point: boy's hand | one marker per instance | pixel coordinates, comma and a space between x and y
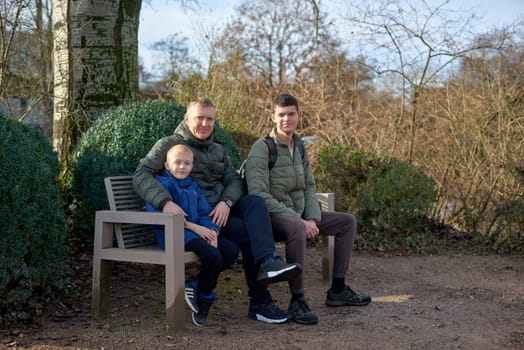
172, 208
214, 241
209, 235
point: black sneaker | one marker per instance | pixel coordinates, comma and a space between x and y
191, 293
300, 312
274, 269
347, 297
269, 313
200, 317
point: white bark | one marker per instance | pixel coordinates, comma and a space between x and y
99, 69
61, 71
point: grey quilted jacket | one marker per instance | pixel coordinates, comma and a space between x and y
212, 169
289, 187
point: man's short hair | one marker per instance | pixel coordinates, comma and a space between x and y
284, 100
203, 101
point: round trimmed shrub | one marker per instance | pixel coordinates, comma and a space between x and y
114, 145
392, 199
32, 243
397, 196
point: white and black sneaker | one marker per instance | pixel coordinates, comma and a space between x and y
274, 269
191, 293
204, 304
267, 312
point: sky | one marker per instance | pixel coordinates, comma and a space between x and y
160, 18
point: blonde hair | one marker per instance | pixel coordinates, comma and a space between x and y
203, 101
180, 148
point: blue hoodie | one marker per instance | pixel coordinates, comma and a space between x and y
187, 195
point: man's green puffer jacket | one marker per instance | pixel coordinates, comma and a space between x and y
212, 170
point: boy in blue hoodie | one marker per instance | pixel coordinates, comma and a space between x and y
201, 235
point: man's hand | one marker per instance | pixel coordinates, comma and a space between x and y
311, 228
220, 214
172, 208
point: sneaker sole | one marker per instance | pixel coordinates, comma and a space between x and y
259, 317
281, 275
345, 303
308, 323
196, 322
305, 322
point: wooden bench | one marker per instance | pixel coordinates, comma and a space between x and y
130, 226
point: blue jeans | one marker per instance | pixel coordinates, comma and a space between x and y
249, 226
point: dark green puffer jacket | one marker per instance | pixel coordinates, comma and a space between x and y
289, 187
212, 170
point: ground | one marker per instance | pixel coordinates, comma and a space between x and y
448, 301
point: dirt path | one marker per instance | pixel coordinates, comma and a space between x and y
430, 302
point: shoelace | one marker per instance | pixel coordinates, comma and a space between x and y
272, 306
304, 306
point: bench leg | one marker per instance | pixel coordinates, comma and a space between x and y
175, 304
328, 252
175, 274
100, 288
101, 269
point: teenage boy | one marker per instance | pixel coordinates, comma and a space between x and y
290, 194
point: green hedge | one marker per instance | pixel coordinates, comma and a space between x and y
391, 199
114, 145
32, 243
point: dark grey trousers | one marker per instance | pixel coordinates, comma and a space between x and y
342, 226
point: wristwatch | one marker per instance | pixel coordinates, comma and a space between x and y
229, 203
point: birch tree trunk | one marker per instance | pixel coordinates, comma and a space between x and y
95, 63
62, 75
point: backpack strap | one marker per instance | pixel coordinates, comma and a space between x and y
272, 150
301, 149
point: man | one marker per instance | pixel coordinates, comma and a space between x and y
290, 194
244, 219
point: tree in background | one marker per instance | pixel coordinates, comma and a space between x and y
174, 71
95, 64
276, 38
458, 124
479, 122
25, 65
334, 92
261, 51
174, 61
415, 42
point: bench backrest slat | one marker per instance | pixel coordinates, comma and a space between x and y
122, 197
326, 201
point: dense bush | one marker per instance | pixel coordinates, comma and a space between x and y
114, 144
32, 243
391, 199
506, 232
